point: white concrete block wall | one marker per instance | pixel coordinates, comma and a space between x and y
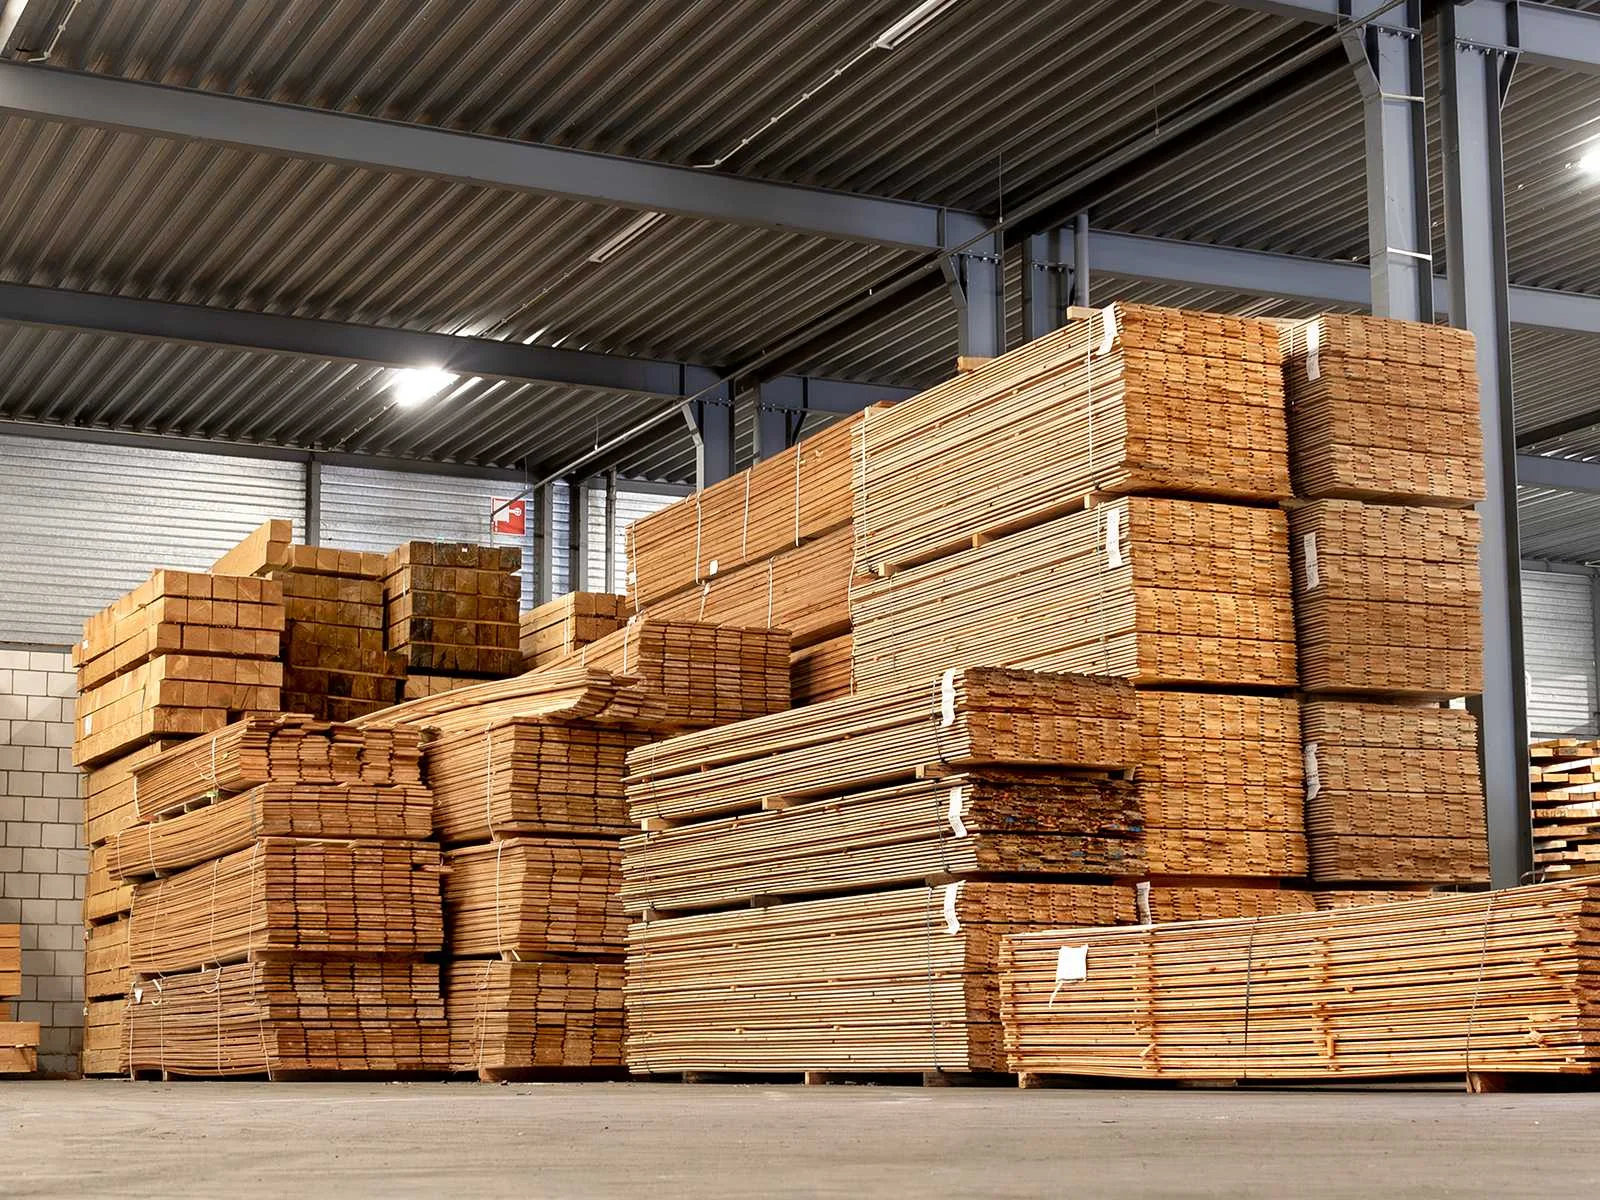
43, 862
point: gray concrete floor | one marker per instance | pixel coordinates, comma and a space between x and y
649, 1141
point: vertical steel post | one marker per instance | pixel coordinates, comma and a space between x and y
1080, 260
577, 534
711, 420
779, 404
1387, 55
313, 504
976, 278
544, 549
1475, 79
1045, 281
611, 531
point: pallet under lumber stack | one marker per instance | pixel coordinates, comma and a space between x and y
1383, 428
19, 1040
286, 905
452, 609
1565, 783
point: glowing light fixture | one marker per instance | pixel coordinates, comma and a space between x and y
908, 26
1589, 160
417, 385
625, 236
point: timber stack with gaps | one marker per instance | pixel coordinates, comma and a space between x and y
19, 1040
452, 613
527, 781
1565, 782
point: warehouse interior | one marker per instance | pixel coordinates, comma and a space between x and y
397, 271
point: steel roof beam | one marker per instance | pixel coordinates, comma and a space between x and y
1558, 474
322, 135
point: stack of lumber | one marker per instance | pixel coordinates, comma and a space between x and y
1387, 599
1210, 903
1220, 784
1383, 410
555, 629
1393, 794
418, 687
1156, 590
1469, 984
181, 654
271, 548
510, 1017
1128, 399
574, 693
1566, 806
452, 608
19, 1040
822, 672
1351, 897
522, 897
899, 980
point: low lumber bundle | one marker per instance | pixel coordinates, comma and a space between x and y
277, 748
507, 1017
1393, 794
1207, 903
106, 966
1220, 786
1352, 897
965, 717
335, 663
452, 607
821, 672
1154, 590
558, 627
19, 1047
271, 547
1387, 600
1566, 807
521, 897
526, 775
105, 896
10, 960
1383, 410
903, 980
1129, 399
782, 501
105, 1047
278, 1018
1468, 984
562, 693
981, 822
290, 896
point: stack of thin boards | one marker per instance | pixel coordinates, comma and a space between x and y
769, 547
893, 811
336, 666
452, 608
555, 629
1478, 985
1566, 807
286, 901
19, 1040
1384, 436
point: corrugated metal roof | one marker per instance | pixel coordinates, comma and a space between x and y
1561, 526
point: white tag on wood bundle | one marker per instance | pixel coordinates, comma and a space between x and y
1072, 966
1313, 780
947, 697
1114, 536
1109, 314
1141, 902
1313, 575
952, 893
711, 568
957, 796
1314, 351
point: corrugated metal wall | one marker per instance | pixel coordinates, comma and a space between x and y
1558, 638
82, 523
631, 505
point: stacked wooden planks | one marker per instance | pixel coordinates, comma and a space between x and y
1383, 410
1129, 399
511, 1018
271, 547
19, 1040
1393, 794
1220, 784
10, 960
1458, 985
822, 672
181, 654
1387, 599
452, 608
1566, 806
1156, 590
557, 628
1209, 902
523, 897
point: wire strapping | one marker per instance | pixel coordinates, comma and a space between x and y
1477, 987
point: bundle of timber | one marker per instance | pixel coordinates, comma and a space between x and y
562, 693
511, 1017
452, 608
1393, 794
983, 821
1383, 410
335, 664
1352, 897
105, 1046
106, 897
271, 548
277, 1018
557, 628
902, 980
10, 960
821, 672
980, 715
521, 897
1566, 806
1469, 984
1220, 784
781, 502
527, 775
1152, 589
1178, 902
107, 979
1124, 400
1387, 599
19, 1040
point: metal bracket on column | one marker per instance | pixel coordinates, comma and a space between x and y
1047, 271
976, 278
711, 419
1387, 55
1475, 74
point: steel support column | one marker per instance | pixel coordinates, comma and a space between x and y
1387, 55
976, 278
611, 531
711, 423
313, 507
577, 534
1474, 81
1046, 283
1080, 260
780, 412
544, 543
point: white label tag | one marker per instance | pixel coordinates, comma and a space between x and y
711, 567
1114, 537
1313, 576
947, 697
1314, 351
952, 893
1109, 315
1141, 901
88, 723
1072, 966
957, 796
1313, 779
138, 994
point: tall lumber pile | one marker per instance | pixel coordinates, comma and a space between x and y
452, 608
285, 902
1565, 783
895, 807
19, 1040
1384, 436
1486, 983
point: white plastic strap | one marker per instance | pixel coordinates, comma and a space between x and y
1114, 536
1308, 545
1108, 316
1072, 966
1314, 351
1313, 776
947, 697
952, 893
1141, 902
957, 798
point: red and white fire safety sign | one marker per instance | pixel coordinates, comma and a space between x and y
509, 516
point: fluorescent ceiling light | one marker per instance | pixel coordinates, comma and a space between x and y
908, 26
415, 385
629, 233
1589, 161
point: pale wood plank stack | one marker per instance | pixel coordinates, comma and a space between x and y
19, 1040
822, 672
541, 1016
1566, 807
1473, 984
452, 608
555, 629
